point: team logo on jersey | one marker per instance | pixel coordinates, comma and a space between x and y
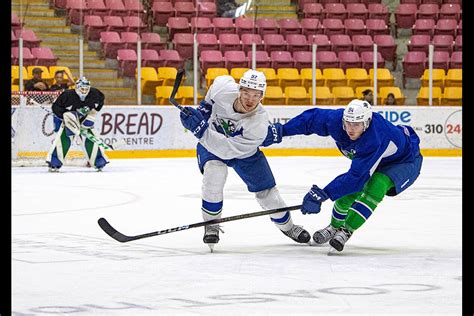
227, 127
349, 154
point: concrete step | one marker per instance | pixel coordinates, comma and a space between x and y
45, 22
51, 28
74, 53
88, 63
283, 7
123, 101
33, 13
275, 15
59, 46
58, 37
97, 74
116, 93
267, 2
17, 5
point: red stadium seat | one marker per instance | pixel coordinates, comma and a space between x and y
456, 60
326, 59
76, 10
376, 27
177, 25
97, 7
335, 10
419, 43
281, 59
311, 26
414, 63
110, 43
130, 39
28, 58
171, 58
211, 59
127, 62
443, 43
184, 44
134, 8
152, 40
379, 11
357, 11
405, 15
303, 59
206, 9
185, 9
94, 25
355, 27
321, 40
44, 56
223, 25
297, 42
427, 11
423, 27
235, 59
267, 26
30, 39
151, 58
116, 8
229, 42
274, 42
289, 26
450, 11
340, 42
368, 60
333, 26
262, 59
201, 25
387, 47
244, 25
446, 27
207, 41
248, 39
458, 43
363, 43
162, 11
349, 59
440, 60
114, 24
313, 10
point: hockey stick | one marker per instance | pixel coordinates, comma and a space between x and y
112, 232
177, 83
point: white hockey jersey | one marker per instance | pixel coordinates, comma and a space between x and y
231, 134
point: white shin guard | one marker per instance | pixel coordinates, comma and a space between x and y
271, 199
215, 176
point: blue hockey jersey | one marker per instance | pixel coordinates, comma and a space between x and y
381, 144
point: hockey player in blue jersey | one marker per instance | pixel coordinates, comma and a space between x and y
386, 160
230, 124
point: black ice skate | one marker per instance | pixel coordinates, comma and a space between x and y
298, 234
340, 238
211, 235
322, 236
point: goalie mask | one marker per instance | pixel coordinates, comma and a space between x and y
83, 87
358, 111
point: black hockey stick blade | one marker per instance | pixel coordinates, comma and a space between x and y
177, 83
112, 232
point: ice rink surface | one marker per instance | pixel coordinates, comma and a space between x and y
405, 260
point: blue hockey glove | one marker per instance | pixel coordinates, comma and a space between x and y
194, 122
313, 199
205, 109
274, 134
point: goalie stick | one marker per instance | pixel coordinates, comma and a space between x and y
112, 232
177, 83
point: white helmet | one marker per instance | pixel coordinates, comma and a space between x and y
358, 111
254, 80
83, 87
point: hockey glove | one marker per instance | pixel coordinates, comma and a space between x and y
194, 122
274, 134
205, 109
313, 199
89, 120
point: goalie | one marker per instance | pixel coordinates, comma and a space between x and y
74, 115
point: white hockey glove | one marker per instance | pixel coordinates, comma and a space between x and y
71, 122
89, 120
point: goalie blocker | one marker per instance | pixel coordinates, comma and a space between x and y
75, 112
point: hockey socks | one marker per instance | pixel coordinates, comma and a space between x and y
340, 209
211, 210
364, 205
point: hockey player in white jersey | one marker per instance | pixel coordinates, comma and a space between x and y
231, 124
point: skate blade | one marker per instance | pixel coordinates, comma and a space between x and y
211, 247
332, 251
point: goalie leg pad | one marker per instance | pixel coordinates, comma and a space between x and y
59, 148
89, 120
94, 153
71, 121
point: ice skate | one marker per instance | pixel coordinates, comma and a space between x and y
340, 238
322, 236
211, 235
298, 234
53, 169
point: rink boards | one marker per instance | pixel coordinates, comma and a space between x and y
156, 131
